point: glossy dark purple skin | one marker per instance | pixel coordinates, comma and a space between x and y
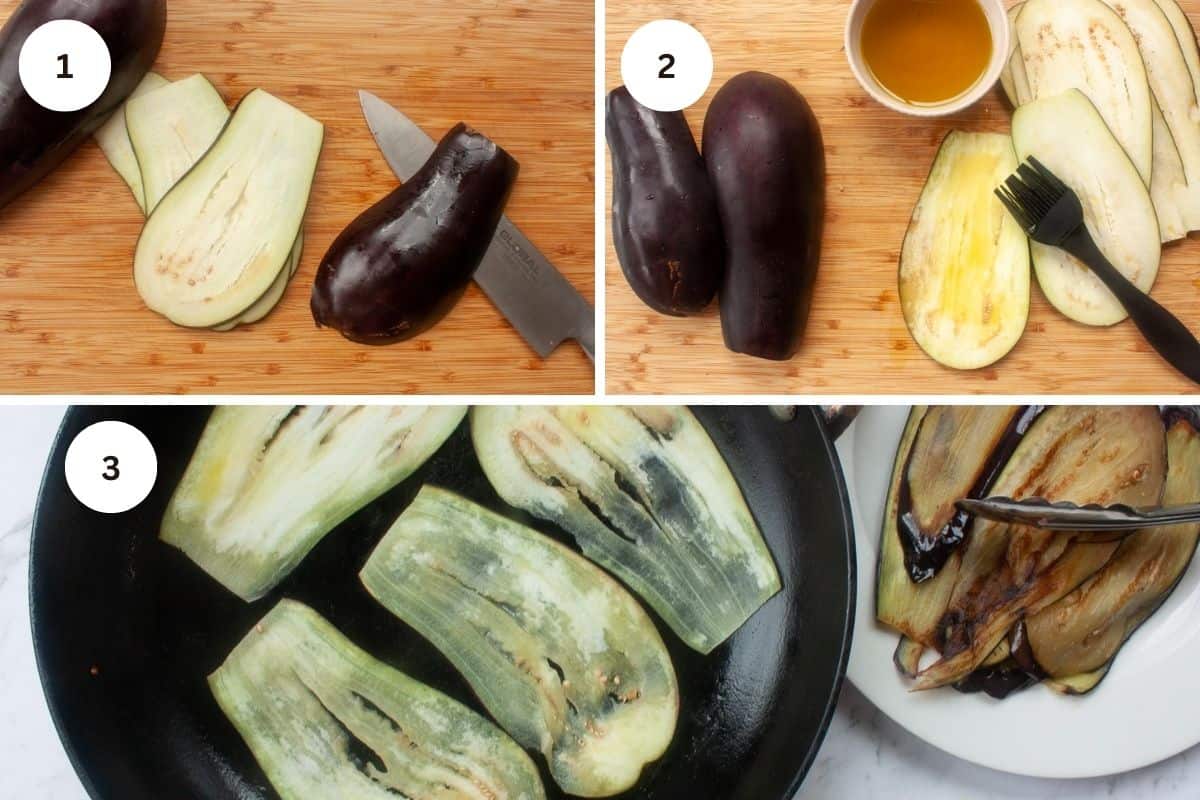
666, 227
766, 161
399, 268
35, 140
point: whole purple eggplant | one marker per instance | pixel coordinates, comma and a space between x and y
666, 227
35, 140
766, 160
405, 262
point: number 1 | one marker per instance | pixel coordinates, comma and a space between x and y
66, 69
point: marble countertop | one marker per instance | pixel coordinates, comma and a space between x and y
866, 755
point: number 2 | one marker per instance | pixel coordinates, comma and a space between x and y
670, 63
66, 69
114, 471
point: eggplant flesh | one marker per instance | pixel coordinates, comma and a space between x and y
113, 139
666, 227
33, 139
646, 495
402, 265
1083, 632
221, 236
563, 657
265, 484
765, 156
1102, 455
958, 452
323, 718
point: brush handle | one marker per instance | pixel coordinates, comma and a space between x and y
1165, 333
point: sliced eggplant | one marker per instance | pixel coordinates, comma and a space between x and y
399, 268
325, 719
1085, 45
646, 495
563, 657
170, 129
1084, 455
266, 304
1066, 133
113, 139
959, 452
1168, 183
265, 484
964, 267
220, 238
1083, 632
1013, 78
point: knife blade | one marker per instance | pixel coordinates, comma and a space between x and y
1063, 516
536, 299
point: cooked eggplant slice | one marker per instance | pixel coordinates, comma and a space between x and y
907, 657
959, 452
1065, 133
113, 139
325, 719
267, 483
964, 266
646, 495
563, 657
1084, 455
219, 239
1083, 632
170, 129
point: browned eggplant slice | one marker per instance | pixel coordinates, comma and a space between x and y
1082, 633
1081, 454
959, 452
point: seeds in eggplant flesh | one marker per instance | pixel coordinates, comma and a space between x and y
563, 657
265, 484
219, 239
113, 139
646, 495
1083, 632
325, 719
1008, 572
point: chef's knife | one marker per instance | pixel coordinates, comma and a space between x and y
1062, 516
539, 302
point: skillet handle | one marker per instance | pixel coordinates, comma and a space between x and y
837, 418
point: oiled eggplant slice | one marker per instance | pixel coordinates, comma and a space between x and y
220, 237
914, 609
113, 139
646, 495
1084, 455
563, 657
959, 452
325, 719
964, 267
267, 483
1083, 632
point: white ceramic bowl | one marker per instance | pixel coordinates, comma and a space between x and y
997, 17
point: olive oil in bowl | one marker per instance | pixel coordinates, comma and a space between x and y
927, 52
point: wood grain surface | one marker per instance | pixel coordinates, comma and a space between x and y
521, 71
857, 342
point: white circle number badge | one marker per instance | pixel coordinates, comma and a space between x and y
111, 467
667, 65
65, 65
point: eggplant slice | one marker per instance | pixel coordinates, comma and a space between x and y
113, 139
1084, 455
563, 657
646, 495
325, 719
964, 266
267, 483
220, 238
1082, 633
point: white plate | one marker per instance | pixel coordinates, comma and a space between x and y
1143, 712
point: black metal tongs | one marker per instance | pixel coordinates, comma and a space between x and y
1040, 513
1050, 212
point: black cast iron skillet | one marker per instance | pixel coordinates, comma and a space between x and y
126, 628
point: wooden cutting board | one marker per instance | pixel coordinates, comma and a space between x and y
857, 342
521, 71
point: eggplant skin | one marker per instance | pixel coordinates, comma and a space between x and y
666, 227
33, 139
766, 159
399, 268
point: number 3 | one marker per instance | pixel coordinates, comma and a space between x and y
670, 62
113, 472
